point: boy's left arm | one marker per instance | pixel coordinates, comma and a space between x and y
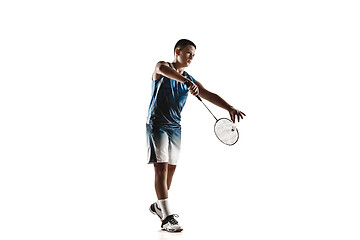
217, 100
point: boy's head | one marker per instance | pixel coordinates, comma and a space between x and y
184, 51
183, 43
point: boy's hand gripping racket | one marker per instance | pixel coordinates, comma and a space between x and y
225, 130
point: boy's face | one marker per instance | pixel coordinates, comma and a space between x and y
185, 55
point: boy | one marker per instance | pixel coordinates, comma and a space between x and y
170, 88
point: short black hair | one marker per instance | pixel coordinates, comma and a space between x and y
183, 43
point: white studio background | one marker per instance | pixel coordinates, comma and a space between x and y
74, 92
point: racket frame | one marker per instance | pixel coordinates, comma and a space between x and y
237, 132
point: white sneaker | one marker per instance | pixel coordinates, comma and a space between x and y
154, 209
170, 224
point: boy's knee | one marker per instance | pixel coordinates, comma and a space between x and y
161, 169
171, 168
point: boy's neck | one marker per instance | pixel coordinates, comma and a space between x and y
180, 69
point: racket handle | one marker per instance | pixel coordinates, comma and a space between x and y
188, 85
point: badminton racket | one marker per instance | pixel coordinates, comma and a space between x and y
225, 130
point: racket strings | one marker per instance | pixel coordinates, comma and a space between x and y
225, 131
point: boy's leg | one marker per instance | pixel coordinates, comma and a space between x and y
164, 173
161, 186
170, 174
174, 152
163, 177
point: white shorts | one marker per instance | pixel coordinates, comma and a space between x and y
163, 144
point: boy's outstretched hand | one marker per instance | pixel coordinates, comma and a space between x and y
235, 113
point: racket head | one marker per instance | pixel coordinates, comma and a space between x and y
226, 132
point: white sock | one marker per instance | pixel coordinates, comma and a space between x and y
165, 208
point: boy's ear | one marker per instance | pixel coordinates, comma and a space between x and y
177, 51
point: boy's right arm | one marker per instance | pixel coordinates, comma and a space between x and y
162, 69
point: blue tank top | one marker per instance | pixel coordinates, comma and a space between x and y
167, 101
